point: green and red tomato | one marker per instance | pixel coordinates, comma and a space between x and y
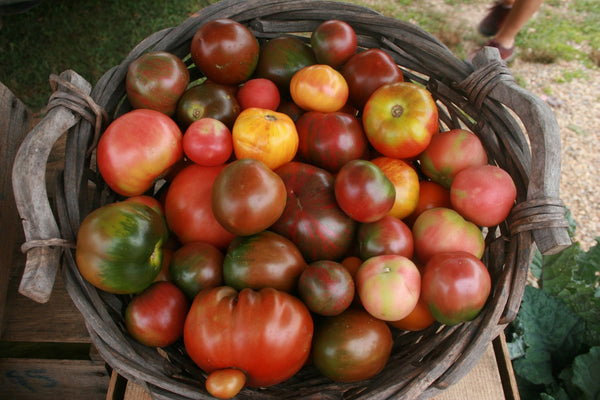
326, 287
333, 42
196, 266
387, 235
207, 100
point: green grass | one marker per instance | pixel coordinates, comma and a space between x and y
92, 36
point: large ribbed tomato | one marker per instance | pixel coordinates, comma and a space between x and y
265, 135
267, 334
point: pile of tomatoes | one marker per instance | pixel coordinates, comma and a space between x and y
298, 200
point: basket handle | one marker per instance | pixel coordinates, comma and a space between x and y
43, 243
542, 213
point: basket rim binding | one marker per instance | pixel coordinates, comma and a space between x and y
441, 355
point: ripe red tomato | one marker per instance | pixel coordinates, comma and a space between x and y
156, 80
326, 287
196, 266
311, 218
456, 286
330, 140
368, 70
319, 87
351, 346
208, 100
267, 333
259, 93
247, 197
188, 207
406, 184
265, 135
136, 148
399, 119
208, 142
431, 195
483, 194
388, 235
225, 51
363, 191
156, 316
389, 286
450, 152
265, 259
333, 42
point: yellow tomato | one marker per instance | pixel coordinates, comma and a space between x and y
406, 182
265, 135
319, 87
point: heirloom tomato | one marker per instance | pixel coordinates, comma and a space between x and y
483, 194
363, 191
456, 286
389, 286
311, 218
225, 51
155, 317
196, 266
319, 87
326, 287
333, 42
156, 80
265, 259
247, 197
418, 319
267, 333
280, 58
388, 235
351, 346
136, 148
440, 230
368, 70
399, 119
259, 93
119, 247
406, 184
449, 152
208, 142
431, 195
265, 135
188, 207
207, 100
330, 140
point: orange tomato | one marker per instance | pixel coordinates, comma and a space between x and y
265, 135
419, 318
319, 87
406, 182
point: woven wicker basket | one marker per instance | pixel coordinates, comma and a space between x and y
518, 130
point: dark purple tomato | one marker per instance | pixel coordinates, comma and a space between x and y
196, 266
330, 140
351, 346
333, 42
225, 51
207, 100
326, 287
311, 218
388, 235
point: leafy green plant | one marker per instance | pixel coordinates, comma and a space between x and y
554, 342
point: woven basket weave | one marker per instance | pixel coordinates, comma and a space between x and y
517, 129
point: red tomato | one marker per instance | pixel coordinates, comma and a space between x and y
196, 266
208, 100
418, 319
483, 194
265, 135
208, 142
326, 287
259, 93
399, 119
363, 191
156, 81
155, 317
137, 148
319, 88
406, 184
333, 42
267, 333
368, 70
431, 195
351, 346
247, 197
388, 235
389, 286
456, 286
188, 207
225, 51
330, 140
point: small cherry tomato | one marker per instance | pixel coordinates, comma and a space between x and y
319, 87
225, 383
